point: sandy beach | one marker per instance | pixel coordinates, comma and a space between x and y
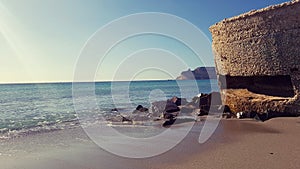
235, 144
73, 71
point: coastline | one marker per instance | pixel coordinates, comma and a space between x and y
235, 144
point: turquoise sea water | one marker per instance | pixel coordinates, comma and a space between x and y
39, 107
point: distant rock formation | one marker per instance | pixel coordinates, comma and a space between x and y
198, 74
257, 58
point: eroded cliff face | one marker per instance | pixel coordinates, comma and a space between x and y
257, 56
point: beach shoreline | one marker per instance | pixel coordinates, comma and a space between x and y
235, 144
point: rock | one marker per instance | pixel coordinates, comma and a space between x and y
168, 123
157, 108
181, 101
207, 103
255, 72
227, 115
242, 100
170, 115
125, 119
116, 118
198, 74
227, 112
171, 106
141, 108
171, 109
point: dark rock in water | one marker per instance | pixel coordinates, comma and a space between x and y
114, 110
162, 108
204, 110
181, 101
157, 108
171, 107
204, 100
203, 103
213, 98
140, 108
168, 123
172, 115
207, 103
124, 119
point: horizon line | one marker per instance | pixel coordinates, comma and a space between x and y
49, 82
102, 81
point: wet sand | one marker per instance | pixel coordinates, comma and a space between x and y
236, 143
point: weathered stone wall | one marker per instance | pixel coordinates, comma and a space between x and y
260, 43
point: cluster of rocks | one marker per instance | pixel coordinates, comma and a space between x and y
202, 104
139, 114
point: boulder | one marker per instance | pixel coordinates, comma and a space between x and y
157, 108
141, 108
207, 103
181, 101
171, 107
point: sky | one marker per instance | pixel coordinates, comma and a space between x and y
47, 40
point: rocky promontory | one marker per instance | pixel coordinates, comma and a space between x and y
198, 74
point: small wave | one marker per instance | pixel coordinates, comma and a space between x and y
6, 133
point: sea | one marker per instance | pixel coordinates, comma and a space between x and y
44, 107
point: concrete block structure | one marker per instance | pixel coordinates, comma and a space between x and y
257, 56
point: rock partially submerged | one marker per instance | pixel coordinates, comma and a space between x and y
140, 109
139, 114
202, 104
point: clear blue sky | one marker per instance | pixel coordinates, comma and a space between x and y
40, 40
